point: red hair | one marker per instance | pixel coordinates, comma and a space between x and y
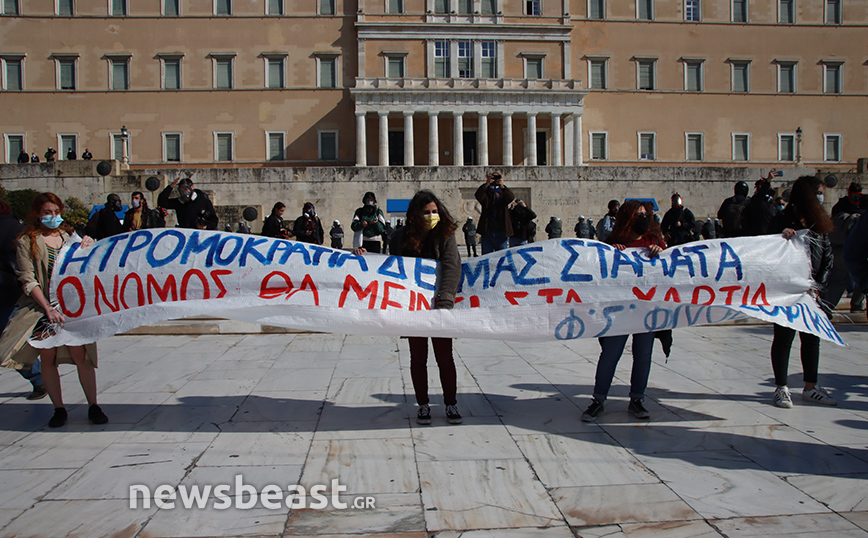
34, 224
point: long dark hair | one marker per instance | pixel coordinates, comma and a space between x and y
622, 232
34, 226
805, 205
415, 224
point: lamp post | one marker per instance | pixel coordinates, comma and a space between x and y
125, 138
798, 145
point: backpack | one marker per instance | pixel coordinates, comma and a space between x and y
732, 217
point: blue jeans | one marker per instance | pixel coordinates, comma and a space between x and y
612, 348
516, 242
494, 241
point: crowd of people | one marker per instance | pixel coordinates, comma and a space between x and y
50, 154
837, 245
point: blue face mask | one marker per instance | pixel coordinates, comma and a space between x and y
52, 221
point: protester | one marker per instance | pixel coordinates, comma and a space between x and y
761, 208
49, 154
843, 222
273, 226
678, 223
369, 224
633, 229
23, 157
731, 210
387, 236
469, 230
430, 234
708, 230
86, 155
140, 217
554, 228
850, 203
856, 253
337, 235
607, 223
520, 215
804, 212
193, 208
38, 247
531, 231
495, 224
105, 222
307, 227
584, 228
70, 154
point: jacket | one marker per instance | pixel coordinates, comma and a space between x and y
856, 253
151, 218
300, 231
493, 218
199, 206
104, 223
520, 216
445, 251
819, 246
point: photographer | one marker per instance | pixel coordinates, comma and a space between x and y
192, 206
495, 224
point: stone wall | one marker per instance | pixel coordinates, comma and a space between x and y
565, 192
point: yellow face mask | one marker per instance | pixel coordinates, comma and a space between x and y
431, 221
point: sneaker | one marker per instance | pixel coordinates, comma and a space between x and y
424, 415
95, 414
59, 418
638, 410
452, 415
818, 395
782, 398
38, 393
593, 411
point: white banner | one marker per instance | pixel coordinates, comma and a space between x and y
556, 289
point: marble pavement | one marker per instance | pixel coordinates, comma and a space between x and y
716, 459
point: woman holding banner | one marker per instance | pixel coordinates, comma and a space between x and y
38, 246
430, 233
633, 229
805, 211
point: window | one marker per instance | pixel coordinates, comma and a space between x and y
786, 77
66, 73
275, 72
694, 149
596, 9
172, 147
833, 11
832, 77
646, 75
647, 146
532, 7
740, 76
118, 147
739, 10
597, 74
328, 71
396, 6
465, 59
786, 147
326, 7
68, 142
119, 73
831, 148
441, 59
276, 146
14, 147
489, 7
599, 146
645, 10
10, 7
692, 10
328, 145
533, 67
489, 60
171, 73
223, 79
13, 79
171, 8
693, 75
441, 6
395, 66
465, 6
740, 147
223, 146
787, 11
65, 8
274, 7
118, 8
223, 7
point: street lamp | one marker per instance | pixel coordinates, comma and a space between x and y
798, 145
125, 138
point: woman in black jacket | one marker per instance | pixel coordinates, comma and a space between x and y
805, 211
274, 225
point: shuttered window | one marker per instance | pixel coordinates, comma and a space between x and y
598, 75
224, 146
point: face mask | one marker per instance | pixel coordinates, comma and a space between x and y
640, 225
52, 221
136, 203
821, 198
310, 213
431, 221
370, 203
185, 195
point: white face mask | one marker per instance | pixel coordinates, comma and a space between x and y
136, 203
821, 197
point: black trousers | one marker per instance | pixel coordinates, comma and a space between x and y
810, 351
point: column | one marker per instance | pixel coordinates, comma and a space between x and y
531, 140
482, 140
361, 140
507, 139
458, 139
384, 138
409, 149
577, 140
556, 140
568, 140
433, 140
